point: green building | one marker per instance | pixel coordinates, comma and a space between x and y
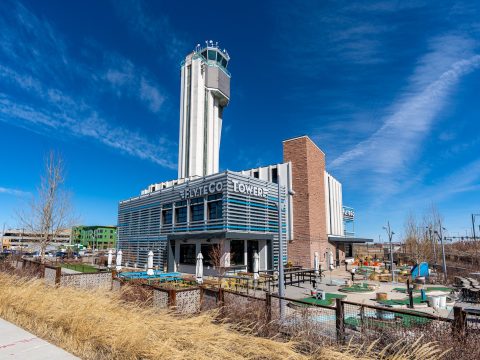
95, 237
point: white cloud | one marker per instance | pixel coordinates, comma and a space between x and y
49, 91
385, 156
14, 192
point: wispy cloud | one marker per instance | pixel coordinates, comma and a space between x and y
46, 90
14, 192
389, 152
156, 31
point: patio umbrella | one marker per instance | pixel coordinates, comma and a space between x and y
315, 263
256, 267
150, 264
330, 263
110, 258
119, 260
199, 269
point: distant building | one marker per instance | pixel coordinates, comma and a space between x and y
95, 237
20, 239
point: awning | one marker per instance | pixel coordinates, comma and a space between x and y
230, 235
348, 240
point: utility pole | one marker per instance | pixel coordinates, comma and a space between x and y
440, 235
390, 234
434, 244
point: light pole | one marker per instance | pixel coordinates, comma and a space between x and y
440, 236
434, 244
281, 279
390, 234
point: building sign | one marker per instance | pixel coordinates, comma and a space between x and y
249, 189
202, 190
348, 213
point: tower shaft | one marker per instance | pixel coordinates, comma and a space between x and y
205, 92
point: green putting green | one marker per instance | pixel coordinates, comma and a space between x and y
433, 288
357, 288
329, 299
416, 300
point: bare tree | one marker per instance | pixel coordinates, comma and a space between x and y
50, 211
220, 259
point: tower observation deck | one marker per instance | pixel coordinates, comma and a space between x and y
205, 92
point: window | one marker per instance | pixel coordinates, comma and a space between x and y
197, 209
255, 174
275, 175
208, 254
181, 215
212, 55
214, 197
167, 217
204, 54
215, 210
224, 62
237, 252
187, 254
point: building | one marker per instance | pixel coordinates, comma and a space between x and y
94, 237
237, 213
29, 241
234, 211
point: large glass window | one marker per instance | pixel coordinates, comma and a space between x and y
212, 55
224, 62
237, 252
215, 210
187, 254
210, 254
167, 216
197, 209
180, 212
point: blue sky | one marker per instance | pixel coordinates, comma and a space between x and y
389, 90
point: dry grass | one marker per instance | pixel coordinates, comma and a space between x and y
99, 325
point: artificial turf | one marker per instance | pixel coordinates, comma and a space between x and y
416, 300
329, 299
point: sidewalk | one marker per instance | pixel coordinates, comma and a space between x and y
16, 343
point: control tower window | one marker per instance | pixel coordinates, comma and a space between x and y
212, 55
224, 62
204, 54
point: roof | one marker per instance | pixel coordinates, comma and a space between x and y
346, 239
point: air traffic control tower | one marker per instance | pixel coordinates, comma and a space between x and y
205, 92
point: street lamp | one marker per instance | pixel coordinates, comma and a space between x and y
390, 234
281, 279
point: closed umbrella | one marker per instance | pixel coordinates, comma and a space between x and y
199, 269
119, 260
110, 258
316, 263
256, 267
150, 264
330, 263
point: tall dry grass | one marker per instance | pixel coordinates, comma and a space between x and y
99, 325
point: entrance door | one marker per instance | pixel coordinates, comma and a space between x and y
252, 247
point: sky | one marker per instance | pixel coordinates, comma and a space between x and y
389, 90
